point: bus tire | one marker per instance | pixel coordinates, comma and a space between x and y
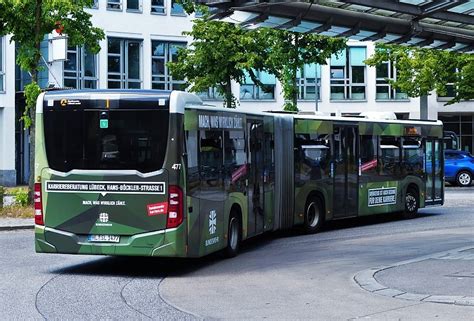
234, 235
412, 203
464, 179
313, 215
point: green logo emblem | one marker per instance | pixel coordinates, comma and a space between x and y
104, 123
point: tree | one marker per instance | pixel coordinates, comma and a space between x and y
287, 52
219, 54
206, 64
222, 52
420, 71
28, 22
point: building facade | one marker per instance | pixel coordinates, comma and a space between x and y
143, 35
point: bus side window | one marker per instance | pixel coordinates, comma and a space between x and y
389, 156
192, 161
235, 167
412, 160
312, 157
368, 155
210, 156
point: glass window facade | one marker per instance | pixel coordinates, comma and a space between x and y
177, 8
309, 82
250, 91
158, 6
462, 125
114, 4
124, 63
384, 91
22, 78
210, 94
348, 74
80, 68
134, 5
163, 52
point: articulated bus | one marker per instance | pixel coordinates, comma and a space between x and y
154, 173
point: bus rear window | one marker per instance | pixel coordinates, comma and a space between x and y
106, 139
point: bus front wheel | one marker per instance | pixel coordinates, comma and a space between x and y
313, 215
233, 236
411, 203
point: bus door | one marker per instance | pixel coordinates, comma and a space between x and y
345, 171
434, 171
255, 161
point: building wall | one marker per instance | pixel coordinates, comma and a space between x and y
7, 115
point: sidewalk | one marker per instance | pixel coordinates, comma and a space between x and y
16, 223
446, 277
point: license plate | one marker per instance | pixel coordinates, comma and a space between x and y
104, 238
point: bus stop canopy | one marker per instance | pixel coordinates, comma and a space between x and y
437, 24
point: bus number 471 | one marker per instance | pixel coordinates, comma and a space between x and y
176, 167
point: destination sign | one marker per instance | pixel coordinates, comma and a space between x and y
382, 196
105, 187
221, 122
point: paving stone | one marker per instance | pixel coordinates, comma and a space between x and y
389, 292
412, 296
375, 286
365, 277
451, 299
465, 301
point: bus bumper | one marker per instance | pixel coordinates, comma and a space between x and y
164, 243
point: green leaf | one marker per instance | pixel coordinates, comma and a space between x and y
420, 71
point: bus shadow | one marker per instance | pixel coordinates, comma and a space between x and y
371, 220
153, 267
355, 222
156, 267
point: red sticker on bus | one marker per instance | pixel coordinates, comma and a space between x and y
157, 208
239, 172
369, 165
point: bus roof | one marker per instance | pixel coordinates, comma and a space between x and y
317, 117
87, 94
194, 102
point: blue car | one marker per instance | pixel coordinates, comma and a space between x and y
458, 167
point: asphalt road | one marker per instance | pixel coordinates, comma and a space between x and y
277, 276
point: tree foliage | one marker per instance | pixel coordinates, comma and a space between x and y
420, 71
222, 52
287, 52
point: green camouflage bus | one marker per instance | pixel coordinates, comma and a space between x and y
154, 173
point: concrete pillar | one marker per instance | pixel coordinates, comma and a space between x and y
424, 107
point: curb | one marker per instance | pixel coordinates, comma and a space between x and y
16, 227
367, 281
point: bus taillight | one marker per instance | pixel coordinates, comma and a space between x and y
38, 205
175, 207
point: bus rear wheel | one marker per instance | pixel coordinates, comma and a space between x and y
313, 215
234, 236
411, 203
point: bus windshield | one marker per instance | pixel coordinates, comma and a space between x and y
106, 139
